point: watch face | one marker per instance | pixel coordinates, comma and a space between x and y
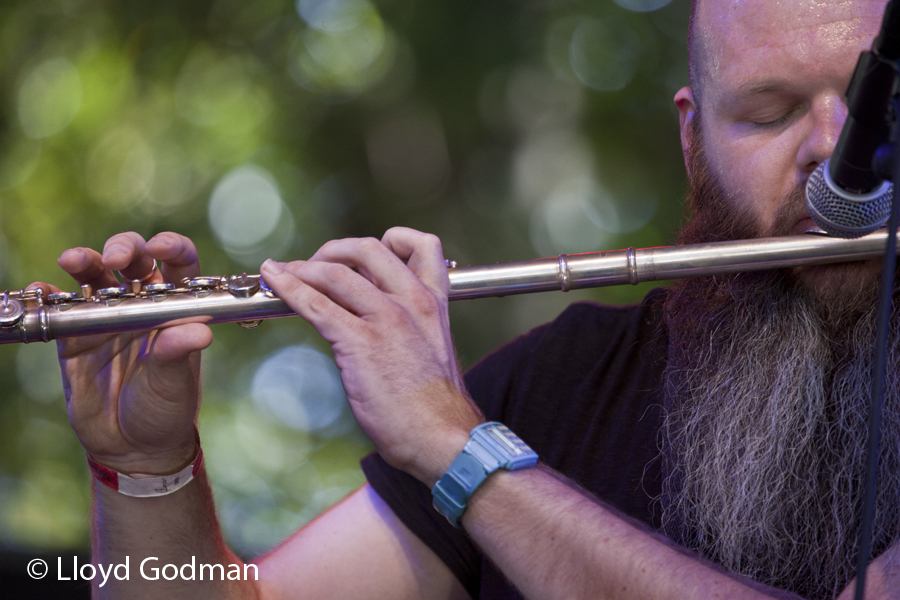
507, 439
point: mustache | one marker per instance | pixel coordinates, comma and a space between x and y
791, 209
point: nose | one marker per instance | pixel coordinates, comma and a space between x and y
826, 119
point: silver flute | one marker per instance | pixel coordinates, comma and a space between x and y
29, 316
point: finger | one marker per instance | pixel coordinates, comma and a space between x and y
85, 265
333, 322
373, 260
423, 255
174, 344
124, 252
341, 284
48, 288
177, 254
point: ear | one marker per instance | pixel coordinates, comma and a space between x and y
684, 101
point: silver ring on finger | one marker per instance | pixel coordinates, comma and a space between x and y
143, 279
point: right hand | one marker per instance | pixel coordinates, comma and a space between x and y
132, 398
383, 308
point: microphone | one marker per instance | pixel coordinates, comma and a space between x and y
842, 213
845, 196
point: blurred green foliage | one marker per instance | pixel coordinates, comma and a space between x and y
512, 129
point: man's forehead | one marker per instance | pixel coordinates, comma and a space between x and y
764, 16
742, 28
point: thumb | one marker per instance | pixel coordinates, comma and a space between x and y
173, 344
171, 349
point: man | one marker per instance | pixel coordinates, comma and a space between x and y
762, 379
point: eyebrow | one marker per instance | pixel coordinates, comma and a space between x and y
754, 88
736, 97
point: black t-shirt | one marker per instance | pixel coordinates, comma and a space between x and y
585, 393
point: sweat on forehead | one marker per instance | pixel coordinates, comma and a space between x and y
719, 28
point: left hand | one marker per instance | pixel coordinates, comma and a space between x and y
132, 398
389, 329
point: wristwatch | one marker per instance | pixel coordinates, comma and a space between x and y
491, 446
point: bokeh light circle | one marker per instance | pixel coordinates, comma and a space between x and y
568, 223
643, 5
604, 56
49, 98
221, 91
334, 16
346, 49
300, 387
245, 207
547, 159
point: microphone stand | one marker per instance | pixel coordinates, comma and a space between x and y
886, 164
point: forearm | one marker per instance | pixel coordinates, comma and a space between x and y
882, 578
553, 541
179, 528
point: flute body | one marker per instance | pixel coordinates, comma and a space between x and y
28, 316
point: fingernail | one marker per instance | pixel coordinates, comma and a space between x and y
112, 251
73, 254
271, 267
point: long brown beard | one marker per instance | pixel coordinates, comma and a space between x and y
767, 394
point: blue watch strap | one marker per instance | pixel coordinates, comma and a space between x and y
452, 492
491, 446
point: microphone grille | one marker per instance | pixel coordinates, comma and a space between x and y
844, 214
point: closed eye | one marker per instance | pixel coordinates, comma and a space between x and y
775, 123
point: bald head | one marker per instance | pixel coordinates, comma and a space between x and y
718, 26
